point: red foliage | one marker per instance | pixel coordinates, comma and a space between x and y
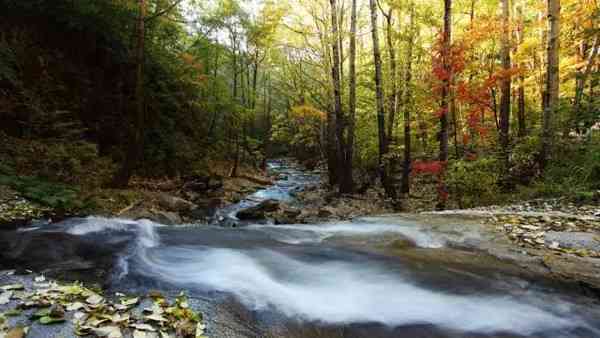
428, 167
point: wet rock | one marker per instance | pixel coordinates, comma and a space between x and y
157, 216
259, 211
166, 217
206, 208
287, 215
60, 255
175, 204
573, 240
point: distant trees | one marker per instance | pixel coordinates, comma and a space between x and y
552, 78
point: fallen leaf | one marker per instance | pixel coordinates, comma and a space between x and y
94, 299
156, 317
75, 306
47, 320
5, 297
108, 331
130, 301
17, 332
143, 327
13, 287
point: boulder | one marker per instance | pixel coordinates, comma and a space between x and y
573, 240
175, 204
157, 216
287, 215
259, 211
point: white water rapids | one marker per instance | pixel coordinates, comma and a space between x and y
295, 275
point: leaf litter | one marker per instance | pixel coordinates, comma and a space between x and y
95, 315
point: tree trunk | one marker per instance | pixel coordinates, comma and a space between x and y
582, 77
393, 97
443, 155
552, 79
407, 105
443, 136
337, 93
387, 185
347, 185
136, 146
522, 130
506, 83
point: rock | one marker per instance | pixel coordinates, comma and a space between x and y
61, 255
175, 204
404, 243
287, 215
326, 212
206, 208
574, 240
259, 211
157, 216
166, 218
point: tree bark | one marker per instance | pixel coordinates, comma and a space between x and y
407, 105
582, 77
393, 97
387, 185
506, 83
337, 92
347, 186
552, 79
447, 41
522, 128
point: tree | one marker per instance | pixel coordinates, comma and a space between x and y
347, 185
337, 88
552, 79
135, 146
407, 103
505, 83
383, 146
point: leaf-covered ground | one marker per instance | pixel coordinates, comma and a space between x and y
38, 306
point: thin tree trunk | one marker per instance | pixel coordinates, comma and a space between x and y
552, 81
347, 185
393, 98
506, 83
522, 128
407, 105
389, 189
443, 136
337, 94
136, 146
582, 78
443, 155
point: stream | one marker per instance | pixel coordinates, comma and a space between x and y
263, 280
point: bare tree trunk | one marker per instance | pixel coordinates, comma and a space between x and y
407, 105
443, 136
552, 81
347, 186
393, 97
337, 92
388, 186
443, 155
136, 146
506, 83
522, 130
582, 77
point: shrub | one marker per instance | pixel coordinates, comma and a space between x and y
473, 183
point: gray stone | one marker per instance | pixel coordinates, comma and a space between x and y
175, 204
574, 240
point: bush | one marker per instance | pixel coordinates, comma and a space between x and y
473, 183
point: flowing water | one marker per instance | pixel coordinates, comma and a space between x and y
300, 276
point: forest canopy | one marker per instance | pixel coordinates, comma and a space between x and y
476, 100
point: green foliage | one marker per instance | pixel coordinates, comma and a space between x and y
46, 193
474, 183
